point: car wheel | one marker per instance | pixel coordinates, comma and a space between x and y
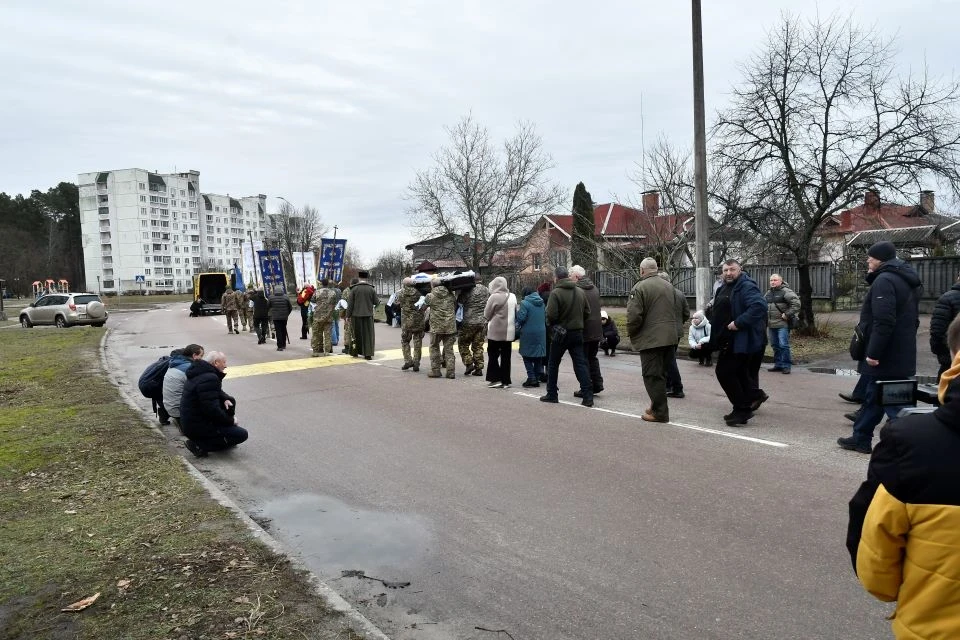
61, 322
25, 322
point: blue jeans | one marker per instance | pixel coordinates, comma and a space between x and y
335, 331
780, 342
871, 413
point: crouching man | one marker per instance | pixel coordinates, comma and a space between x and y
206, 412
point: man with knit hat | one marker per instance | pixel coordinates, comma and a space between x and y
889, 320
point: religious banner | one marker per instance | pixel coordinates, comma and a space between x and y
331, 258
249, 255
271, 270
304, 268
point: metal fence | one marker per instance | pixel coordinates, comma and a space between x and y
612, 284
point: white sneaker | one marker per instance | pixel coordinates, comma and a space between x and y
504, 386
494, 385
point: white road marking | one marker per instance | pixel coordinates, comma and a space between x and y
717, 432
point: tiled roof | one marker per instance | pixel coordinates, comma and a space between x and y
885, 216
904, 236
612, 220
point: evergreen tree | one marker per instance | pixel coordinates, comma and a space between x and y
583, 246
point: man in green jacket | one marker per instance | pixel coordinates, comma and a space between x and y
363, 300
567, 313
652, 327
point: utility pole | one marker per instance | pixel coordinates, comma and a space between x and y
701, 218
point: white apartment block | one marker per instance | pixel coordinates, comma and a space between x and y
161, 227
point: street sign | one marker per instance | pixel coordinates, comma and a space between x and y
140, 278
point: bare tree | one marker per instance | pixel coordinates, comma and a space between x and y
393, 264
494, 196
295, 230
822, 114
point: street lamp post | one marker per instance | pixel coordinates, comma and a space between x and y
702, 221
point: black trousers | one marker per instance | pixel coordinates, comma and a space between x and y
280, 327
674, 383
593, 364
498, 361
160, 410
304, 325
262, 326
222, 438
573, 343
739, 377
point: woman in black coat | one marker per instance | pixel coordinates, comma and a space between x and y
206, 412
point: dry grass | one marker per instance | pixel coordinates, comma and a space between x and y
91, 501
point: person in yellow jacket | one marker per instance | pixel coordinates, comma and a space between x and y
904, 532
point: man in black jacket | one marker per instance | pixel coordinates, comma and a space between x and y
280, 308
261, 315
889, 319
206, 412
592, 327
948, 306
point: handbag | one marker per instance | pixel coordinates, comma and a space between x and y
858, 344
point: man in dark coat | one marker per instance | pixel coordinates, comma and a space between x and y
889, 320
261, 315
682, 309
652, 328
568, 309
363, 300
948, 306
206, 412
280, 308
592, 328
739, 336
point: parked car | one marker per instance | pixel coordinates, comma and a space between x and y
65, 309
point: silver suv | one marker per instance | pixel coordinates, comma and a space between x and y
65, 309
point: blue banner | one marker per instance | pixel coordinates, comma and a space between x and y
271, 269
331, 258
238, 279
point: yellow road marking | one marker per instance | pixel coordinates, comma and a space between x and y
286, 366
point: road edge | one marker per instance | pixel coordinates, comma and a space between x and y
332, 599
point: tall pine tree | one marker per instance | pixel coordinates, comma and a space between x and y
583, 246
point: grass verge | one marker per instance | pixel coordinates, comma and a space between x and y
92, 501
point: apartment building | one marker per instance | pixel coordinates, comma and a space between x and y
160, 228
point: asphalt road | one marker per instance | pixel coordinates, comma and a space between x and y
547, 521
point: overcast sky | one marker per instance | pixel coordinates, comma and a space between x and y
339, 104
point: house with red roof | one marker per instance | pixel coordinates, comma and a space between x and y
917, 230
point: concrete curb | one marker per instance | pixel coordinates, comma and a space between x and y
331, 598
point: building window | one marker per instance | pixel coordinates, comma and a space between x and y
536, 261
146, 272
143, 211
141, 186
183, 193
143, 198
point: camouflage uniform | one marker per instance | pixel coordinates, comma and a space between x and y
473, 330
347, 329
443, 329
243, 310
228, 304
411, 326
325, 300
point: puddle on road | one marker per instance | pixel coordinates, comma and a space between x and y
331, 536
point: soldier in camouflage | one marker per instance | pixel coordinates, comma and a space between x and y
243, 309
443, 329
228, 304
412, 322
325, 301
347, 328
473, 329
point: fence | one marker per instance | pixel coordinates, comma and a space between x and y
618, 285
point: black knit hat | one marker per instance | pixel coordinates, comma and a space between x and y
882, 251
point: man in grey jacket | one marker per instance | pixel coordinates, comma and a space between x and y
176, 376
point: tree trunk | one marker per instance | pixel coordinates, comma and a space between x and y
805, 291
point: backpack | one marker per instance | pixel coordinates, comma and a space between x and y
151, 380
